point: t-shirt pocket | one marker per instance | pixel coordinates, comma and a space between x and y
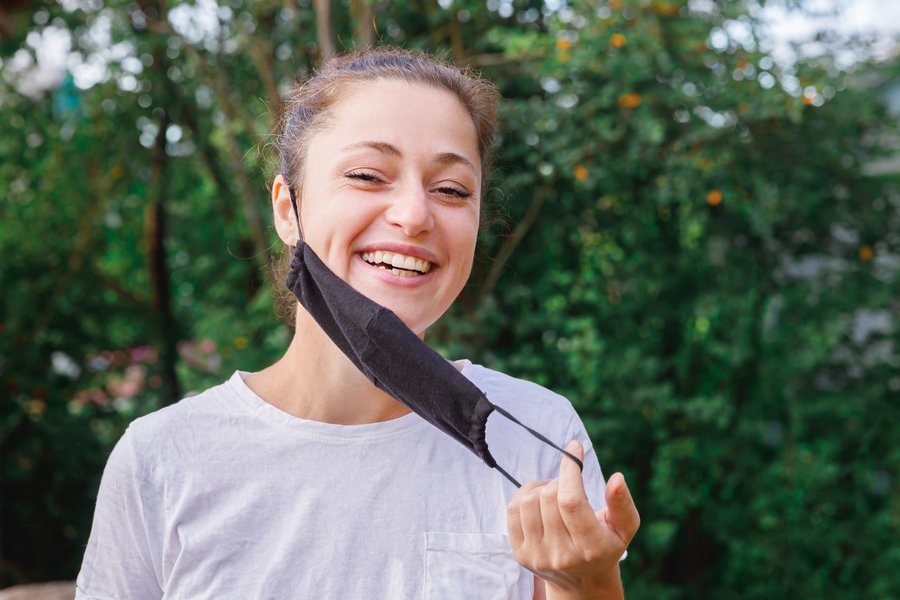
473, 565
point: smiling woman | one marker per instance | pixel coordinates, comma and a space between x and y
421, 97
396, 170
308, 478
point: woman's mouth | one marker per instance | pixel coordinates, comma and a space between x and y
396, 263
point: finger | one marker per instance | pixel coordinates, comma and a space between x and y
527, 488
513, 515
555, 530
571, 483
621, 514
530, 516
574, 508
514, 526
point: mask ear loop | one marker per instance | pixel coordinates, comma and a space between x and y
296, 212
539, 436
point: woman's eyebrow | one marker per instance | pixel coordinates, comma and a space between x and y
444, 158
450, 158
382, 147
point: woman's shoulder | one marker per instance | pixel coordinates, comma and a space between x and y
182, 432
525, 397
210, 404
165, 447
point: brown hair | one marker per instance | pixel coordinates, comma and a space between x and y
306, 112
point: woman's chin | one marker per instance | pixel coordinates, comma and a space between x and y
416, 323
408, 310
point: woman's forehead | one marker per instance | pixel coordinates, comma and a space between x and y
395, 115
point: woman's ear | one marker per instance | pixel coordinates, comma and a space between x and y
283, 212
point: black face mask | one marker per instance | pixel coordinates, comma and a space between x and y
393, 358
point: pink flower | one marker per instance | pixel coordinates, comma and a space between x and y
140, 353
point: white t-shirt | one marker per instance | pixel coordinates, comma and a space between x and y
224, 496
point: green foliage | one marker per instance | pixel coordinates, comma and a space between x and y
692, 252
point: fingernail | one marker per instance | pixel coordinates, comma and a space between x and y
573, 446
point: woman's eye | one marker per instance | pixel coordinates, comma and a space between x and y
452, 191
367, 177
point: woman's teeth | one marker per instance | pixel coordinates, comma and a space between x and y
398, 264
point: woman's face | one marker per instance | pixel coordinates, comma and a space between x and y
390, 196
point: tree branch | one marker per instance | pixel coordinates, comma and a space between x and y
239, 172
261, 54
510, 244
246, 193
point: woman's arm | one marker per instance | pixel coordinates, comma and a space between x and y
555, 533
615, 589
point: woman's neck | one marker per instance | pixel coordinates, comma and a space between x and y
315, 381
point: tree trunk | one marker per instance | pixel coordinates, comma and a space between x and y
159, 272
364, 32
323, 29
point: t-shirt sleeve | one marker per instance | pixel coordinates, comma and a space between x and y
118, 562
594, 482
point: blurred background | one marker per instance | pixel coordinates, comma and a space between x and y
697, 241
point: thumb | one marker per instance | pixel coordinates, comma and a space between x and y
621, 513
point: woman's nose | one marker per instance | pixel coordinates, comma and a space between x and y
410, 209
